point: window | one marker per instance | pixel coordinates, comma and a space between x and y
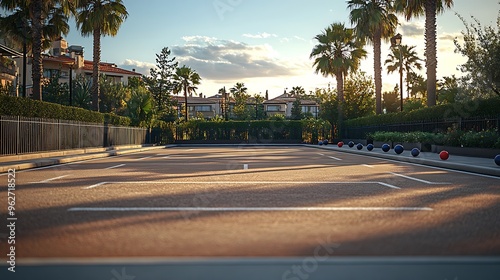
50, 73
203, 108
273, 108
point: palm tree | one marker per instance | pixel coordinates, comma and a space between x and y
374, 21
238, 90
338, 53
403, 58
298, 91
186, 80
99, 18
48, 18
429, 8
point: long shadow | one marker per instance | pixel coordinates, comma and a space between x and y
460, 229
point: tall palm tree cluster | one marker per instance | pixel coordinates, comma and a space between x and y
38, 22
340, 49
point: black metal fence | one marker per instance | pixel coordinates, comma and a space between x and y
471, 124
21, 135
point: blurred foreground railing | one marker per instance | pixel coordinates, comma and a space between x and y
21, 135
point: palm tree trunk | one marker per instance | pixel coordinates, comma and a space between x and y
378, 71
430, 50
37, 66
340, 93
185, 103
95, 70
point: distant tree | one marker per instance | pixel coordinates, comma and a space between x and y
56, 92
224, 103
391, 101
113, 96
403, 59
259, 106
338, 52
417, 87
140, 107
328, 105
359, 93
412, 104
296, 113
481, 46
161, 83
298, 91
448, 90
36, 23
186, 81
429, 8
82, 92
374, 21
99, 18
238, 89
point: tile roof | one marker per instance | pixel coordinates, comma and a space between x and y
109, 68
195, 100
60, 59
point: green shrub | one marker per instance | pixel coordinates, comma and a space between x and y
482, 139
25, 107
476, 108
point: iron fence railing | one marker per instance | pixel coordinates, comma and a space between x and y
21, 135
470, 124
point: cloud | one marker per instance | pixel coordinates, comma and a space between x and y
139, 66
259, 35
450, 36
413, 29
217, 59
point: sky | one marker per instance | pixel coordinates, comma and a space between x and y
263, 43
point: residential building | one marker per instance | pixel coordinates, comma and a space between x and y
65, 61
283, 104
209, 107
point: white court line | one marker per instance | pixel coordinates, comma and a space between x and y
418, 180
165, 157
369, 166
116, 166
389, 185
95, 185
143, 158
51, 179
242, 209
321, 154
239, 183
427, 166
335, 158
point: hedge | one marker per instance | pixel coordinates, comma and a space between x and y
25, 107
477, 108
240, 130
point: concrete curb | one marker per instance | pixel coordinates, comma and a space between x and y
492, 171
43, 162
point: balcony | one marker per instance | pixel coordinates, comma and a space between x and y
8, 69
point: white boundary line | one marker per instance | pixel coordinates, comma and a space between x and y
143, 158
421, 165
367, 165
239, 183
95, 185
116, 166
241, 209
418, 180
51, 179
335, 158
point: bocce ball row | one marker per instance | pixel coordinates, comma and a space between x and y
398, 149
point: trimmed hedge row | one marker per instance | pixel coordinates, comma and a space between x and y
25, 107
240, 130
476, 108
